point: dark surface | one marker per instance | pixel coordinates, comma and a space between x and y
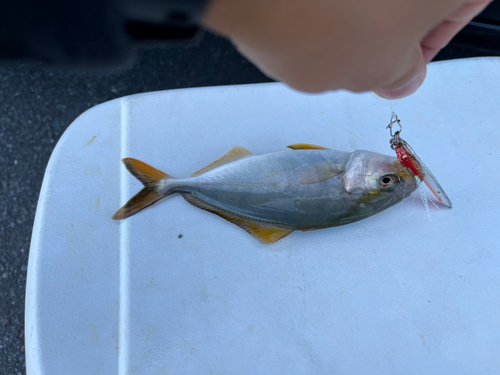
92, 32
37, 104
63, 31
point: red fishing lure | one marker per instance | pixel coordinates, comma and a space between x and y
409, 159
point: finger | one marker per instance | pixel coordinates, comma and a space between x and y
442, 34
410, 81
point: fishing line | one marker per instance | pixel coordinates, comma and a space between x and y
404, 193
423, 196
432, 201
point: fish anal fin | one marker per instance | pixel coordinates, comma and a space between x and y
143, 172
146, 197
306, 146
319, 172
264, 232
234, 154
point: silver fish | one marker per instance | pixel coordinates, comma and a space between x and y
274, 194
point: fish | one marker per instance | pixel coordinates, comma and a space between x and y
306, 187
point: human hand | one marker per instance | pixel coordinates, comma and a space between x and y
356, 45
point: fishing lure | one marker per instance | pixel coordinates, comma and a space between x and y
409, 159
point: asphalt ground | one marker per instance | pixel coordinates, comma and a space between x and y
37, 104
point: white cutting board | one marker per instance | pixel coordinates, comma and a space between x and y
397, 293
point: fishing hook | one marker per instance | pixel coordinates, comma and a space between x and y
395, 140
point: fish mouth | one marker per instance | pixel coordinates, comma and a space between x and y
400, 170
404, 173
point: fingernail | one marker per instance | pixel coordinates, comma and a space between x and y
405, 90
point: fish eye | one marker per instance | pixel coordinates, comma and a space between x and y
387, 181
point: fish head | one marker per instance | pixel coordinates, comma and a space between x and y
380, 180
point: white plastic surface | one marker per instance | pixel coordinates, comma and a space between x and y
397, 293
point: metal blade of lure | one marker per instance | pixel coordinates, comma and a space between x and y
409, 159
424, 173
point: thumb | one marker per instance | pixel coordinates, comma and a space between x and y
411, 79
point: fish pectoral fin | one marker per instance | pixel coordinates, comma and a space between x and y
264, 232
233, 155
146, 197
319, 172
305, 146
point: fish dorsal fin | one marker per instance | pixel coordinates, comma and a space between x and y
320, 172
267, 233
305, 146
233, 155
143, 172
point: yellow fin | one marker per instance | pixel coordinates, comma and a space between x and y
266, 233
149, 177
233, 155
145, 173
146, 197
305, 146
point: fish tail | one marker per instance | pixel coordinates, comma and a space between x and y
150, 178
